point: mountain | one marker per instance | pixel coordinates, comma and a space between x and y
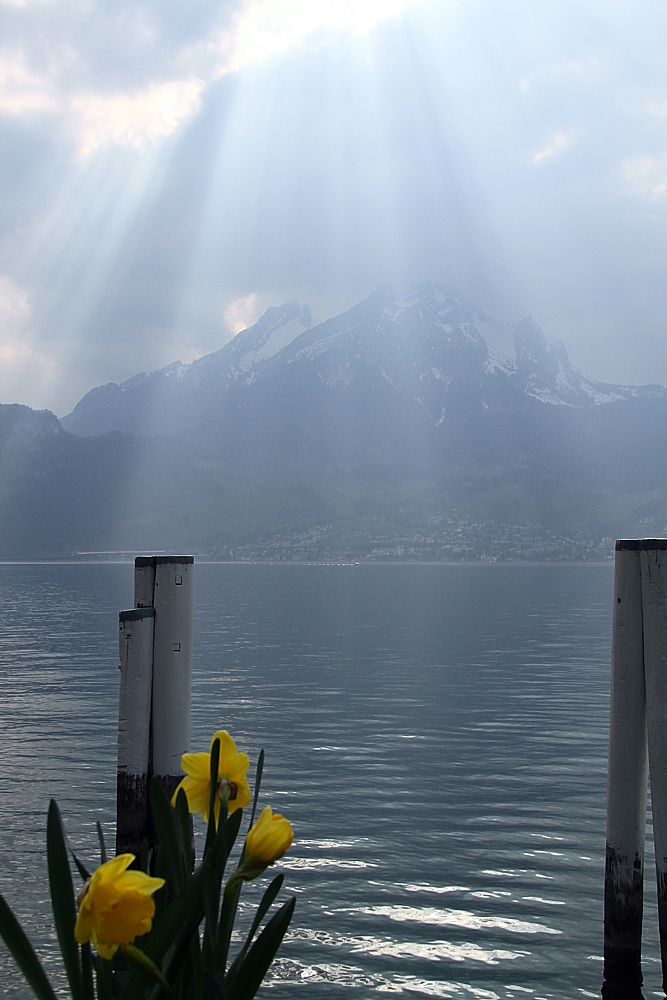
58, 492
165, 400
426, 346
408, 413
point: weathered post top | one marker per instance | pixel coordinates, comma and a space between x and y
640, 544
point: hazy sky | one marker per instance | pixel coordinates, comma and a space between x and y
169, 169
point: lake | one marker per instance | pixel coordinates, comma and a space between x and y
436, 733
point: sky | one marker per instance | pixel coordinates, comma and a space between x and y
170, 169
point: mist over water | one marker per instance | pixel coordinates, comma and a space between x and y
436, 734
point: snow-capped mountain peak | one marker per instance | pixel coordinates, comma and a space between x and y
410, 346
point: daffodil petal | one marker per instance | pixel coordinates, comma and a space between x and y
197, 765
198, 793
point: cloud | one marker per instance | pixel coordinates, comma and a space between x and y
61, 79
647, 175
24, 365
556, 145
243, 312
135, 120
266, 28
22, 91
582, 69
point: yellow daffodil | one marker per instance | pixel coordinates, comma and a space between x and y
115, 906
268, 839
232, 768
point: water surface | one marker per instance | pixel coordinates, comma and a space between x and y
437, 735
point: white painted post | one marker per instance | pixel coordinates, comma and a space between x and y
172, 665
654, 593
627, 777
156, 668
135, 645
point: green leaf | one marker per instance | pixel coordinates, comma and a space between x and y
215, 767
161, 897
178, 923
263, 908
87, 972
120, 972
165, 824
211, 905
230, 902
196, 969
80, 867
145, 857
224, 842
62, 898
215, 984
104, 978
258, 782
256, 963
187, 943
143, 964
184, 829
103, 848
24, 954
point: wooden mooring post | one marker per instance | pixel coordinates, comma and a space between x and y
155, 645
637, 745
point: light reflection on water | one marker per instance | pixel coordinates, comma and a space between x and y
437, 734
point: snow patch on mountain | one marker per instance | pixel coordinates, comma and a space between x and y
405, 300
276, 339
499, 339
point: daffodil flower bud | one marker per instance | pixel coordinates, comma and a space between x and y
266, 841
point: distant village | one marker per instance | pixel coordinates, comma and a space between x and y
448, 539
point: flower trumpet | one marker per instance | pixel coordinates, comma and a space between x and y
115, 906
